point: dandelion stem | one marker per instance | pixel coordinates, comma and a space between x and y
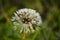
24, 38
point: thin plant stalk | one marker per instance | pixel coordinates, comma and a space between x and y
24, 35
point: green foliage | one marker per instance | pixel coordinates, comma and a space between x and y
50, 28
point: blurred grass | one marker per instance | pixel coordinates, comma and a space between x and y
49, 11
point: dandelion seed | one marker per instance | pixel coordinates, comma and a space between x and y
28, 18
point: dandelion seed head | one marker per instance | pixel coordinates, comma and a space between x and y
28, 18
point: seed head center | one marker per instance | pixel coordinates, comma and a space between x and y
26, 20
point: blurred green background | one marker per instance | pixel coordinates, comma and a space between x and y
49, 11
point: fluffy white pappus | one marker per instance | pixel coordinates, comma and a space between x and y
29, 18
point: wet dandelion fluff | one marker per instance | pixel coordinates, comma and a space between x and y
28, 18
